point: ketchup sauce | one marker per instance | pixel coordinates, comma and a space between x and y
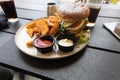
42, 43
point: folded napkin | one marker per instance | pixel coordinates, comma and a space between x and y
111, 27
3, 21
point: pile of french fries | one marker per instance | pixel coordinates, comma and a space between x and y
43, 26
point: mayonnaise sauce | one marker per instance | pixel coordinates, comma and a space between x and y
65, 42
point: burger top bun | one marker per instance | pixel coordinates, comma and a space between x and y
73, 11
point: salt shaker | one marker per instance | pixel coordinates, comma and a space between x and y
51, 8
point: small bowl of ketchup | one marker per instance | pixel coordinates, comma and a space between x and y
44, 43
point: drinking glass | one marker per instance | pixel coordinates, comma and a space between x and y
9, 9
51, 8
94, 6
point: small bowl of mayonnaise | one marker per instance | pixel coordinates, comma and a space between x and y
66, 42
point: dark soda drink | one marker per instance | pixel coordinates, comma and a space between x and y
8, 7
93, 14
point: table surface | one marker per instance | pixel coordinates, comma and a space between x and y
99, 60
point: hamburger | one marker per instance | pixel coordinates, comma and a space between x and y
73, 16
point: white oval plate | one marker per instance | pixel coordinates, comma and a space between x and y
21, 38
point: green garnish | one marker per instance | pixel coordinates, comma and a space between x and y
83, 37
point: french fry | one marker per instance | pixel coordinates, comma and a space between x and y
30, 32
29, 43
36, 29
30, 25
43, 26
54, 28
53, 19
